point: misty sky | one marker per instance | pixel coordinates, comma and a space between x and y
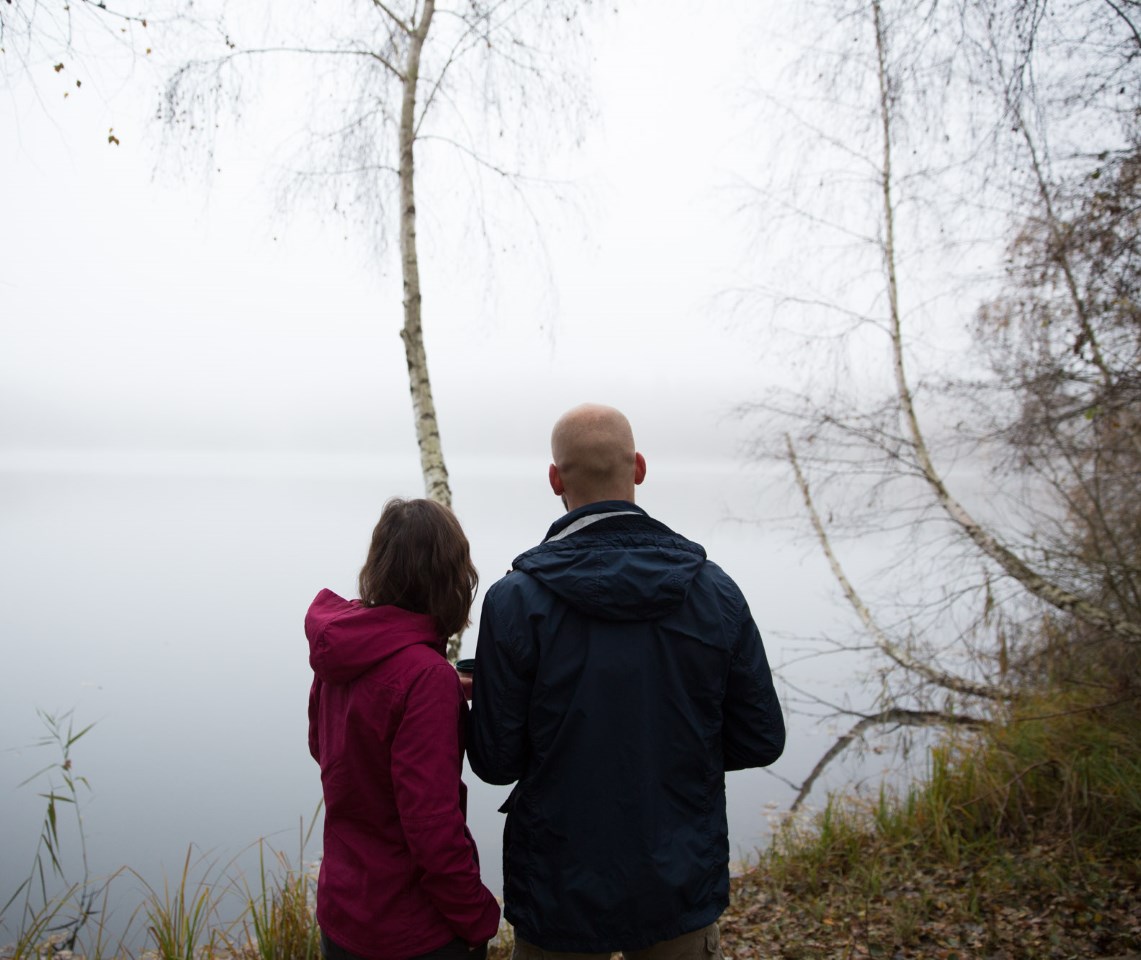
147, 310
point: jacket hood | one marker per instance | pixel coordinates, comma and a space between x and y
347, 639
612, 561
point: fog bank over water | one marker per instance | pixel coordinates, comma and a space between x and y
166, 606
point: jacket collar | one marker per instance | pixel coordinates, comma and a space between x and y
584, 516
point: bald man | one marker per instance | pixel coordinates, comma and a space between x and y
619, 675
594, 457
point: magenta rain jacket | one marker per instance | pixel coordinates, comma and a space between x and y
400, 872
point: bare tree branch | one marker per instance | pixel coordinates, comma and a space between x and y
894, 716
1125, 18
961, 685
388, 12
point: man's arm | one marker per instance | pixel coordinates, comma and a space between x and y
753, 733
501, 694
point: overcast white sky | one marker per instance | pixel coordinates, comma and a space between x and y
150, 312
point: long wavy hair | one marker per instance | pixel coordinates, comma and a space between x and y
420, 560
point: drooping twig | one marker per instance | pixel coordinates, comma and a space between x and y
895, 716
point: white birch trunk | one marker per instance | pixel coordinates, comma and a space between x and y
436, 485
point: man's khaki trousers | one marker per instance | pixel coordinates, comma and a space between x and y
703, 944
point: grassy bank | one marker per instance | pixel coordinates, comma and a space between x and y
60, 911
273, 915
1023, 844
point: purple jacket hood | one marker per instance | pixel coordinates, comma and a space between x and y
347, 638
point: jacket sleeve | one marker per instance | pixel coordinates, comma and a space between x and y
753, 733
426, 762
501, 693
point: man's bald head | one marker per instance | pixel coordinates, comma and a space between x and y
594, 457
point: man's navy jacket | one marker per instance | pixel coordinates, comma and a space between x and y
619, 674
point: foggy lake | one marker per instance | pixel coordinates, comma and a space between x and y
162, 597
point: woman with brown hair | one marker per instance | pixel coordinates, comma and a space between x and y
400, 873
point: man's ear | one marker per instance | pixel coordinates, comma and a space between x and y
555, 480
639, 468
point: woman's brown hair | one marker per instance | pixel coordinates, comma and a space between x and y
419, 560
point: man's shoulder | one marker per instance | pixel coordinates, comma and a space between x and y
714, 571
513, 583
713, 578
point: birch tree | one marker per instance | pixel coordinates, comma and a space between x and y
960, 121
387, 84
